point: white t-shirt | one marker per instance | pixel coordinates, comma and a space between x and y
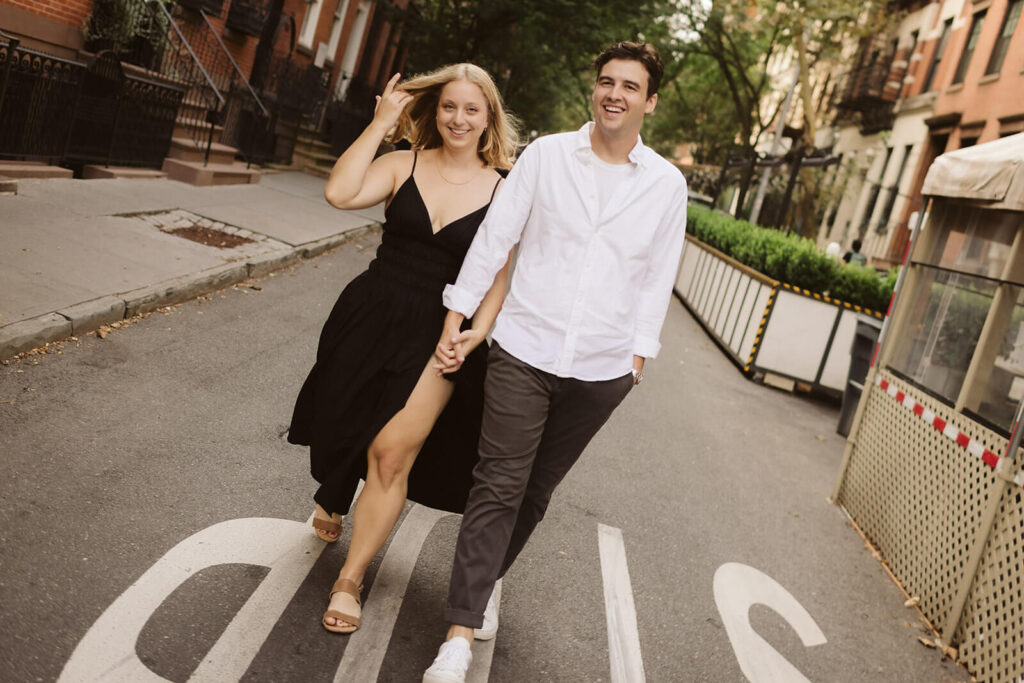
608, 177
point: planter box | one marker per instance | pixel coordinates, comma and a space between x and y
773, 331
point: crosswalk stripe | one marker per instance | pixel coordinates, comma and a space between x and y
367, 646
624, 655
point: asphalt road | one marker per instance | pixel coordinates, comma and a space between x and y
152, 524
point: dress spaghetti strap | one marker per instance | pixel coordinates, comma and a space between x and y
493, 192
415, 156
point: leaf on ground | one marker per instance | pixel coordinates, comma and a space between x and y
949, 651
102, 333
912, 602
926, 642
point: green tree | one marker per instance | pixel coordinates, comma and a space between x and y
539, 52
731, 35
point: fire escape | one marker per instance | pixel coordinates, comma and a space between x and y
868, 92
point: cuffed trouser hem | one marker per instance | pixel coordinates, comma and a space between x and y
461, 617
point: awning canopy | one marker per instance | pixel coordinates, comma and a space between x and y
991, 174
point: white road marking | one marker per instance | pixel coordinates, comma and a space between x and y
737, 587
365, 651
627, 665
287, 547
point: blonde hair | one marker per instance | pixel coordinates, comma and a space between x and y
418, 122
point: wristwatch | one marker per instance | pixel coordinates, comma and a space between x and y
638, 376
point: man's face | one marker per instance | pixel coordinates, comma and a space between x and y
620, 97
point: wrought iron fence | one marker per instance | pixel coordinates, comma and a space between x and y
346, 119
36, 93
295, 96
64, 112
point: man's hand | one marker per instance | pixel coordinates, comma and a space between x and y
638, 369
450, 352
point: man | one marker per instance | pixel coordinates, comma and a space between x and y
854, 255
599, 219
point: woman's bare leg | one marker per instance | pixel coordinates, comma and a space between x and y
389, 460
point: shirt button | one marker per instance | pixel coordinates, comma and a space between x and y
579, 298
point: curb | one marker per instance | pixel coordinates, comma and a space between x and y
88, 316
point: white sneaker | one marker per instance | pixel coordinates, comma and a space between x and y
451, 663
490, 626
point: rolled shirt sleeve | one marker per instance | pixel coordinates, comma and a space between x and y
659, 280
499, 232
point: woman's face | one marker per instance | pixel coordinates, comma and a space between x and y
461, 114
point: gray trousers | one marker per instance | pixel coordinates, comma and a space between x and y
535, 426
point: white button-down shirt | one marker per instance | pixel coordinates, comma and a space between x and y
591, 287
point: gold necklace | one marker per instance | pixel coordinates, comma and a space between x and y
438, 167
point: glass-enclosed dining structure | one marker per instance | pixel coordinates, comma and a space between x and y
927, 475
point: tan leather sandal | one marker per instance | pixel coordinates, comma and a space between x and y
328, 526
344, 586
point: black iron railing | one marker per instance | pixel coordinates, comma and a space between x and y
246, 16
65, 112
243, 115
346, 119
204, 104
295, 96
865, 87
209, 6
37, 91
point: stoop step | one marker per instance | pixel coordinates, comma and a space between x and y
32, 169
93, 172
195, 173
185, 149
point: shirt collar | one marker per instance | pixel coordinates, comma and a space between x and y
583, 148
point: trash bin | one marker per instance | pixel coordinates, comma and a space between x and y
861, 350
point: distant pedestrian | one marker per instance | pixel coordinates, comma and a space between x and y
854, 255
600, 221
371, 402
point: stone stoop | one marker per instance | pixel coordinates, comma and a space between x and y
93, 171
185, 163
196, 173
32, 169
312, 155
8, 185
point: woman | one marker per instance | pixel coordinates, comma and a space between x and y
376, 400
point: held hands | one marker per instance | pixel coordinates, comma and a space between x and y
390, 104
454, 345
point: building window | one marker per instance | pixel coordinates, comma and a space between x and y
968, 141
972, 43
940, 47
995, 62
336, 26
875, 189
309, 22
894, 192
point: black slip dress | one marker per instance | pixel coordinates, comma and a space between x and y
378, 338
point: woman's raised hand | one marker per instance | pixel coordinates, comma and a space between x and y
391, 103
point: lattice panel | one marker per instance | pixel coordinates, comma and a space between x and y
991, 631
918, 495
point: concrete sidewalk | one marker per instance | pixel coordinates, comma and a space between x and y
78, 254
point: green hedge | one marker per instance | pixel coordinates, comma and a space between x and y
791, 259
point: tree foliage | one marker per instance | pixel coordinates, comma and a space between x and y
539, 52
